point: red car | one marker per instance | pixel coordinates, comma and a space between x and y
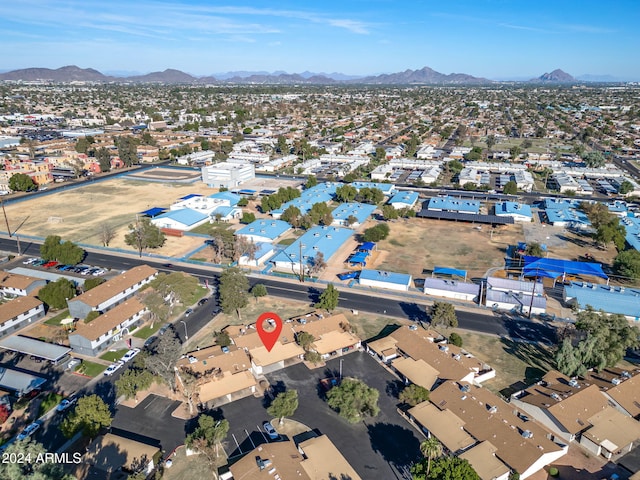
50, 264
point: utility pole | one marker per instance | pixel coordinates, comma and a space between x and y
301, 265
5, 217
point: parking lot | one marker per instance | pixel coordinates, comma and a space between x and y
380, 447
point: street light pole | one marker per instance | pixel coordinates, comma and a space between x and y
301, 266
341, 360
186, 336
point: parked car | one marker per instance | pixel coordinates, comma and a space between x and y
273, 435
164, 328
28, 431
202, 301
188, 312
150, 341
50, 264
66, 403
39, 262
130, 354
111, 369
30, 261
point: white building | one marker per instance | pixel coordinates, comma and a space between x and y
227, 175
18, 313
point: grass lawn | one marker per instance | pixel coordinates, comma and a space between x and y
50, 400
287, 241
113, 356
55, 321
186, 468
146, 331
516, 364
90, 369
196, 295
209, 228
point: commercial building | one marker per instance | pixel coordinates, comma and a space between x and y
227, 175
521, 212
515, 295
352, 214
455, 289
383, 279
608, 298
405, 199
264, 230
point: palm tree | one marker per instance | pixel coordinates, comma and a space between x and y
431, 448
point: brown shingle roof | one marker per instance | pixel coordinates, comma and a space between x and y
14, 280
109, 320
284, 458
17, 306
627, 395
111, 288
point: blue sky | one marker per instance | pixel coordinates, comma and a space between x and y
488, 38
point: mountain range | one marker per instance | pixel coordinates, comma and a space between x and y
423, 76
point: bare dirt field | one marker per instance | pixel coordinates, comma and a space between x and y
77, 214
416, 245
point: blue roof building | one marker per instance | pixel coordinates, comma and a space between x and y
451, 204
521, 212
183, 219
265, 230
304, 203
361, 211
226, 213
232, 198
263, 252
560, 203
609, 299
387, 188
404, 200
632, 227
382, 279
567, 217
618, 208
327, 240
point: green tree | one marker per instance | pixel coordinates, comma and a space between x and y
82, 145
92, 282
389, 212
143, 234
627, 264
284, 405
55, 294
444, 313
455, 339
283, 147
329, 298
445, 468
207, 438
515, 152
291, 215
534, 249
259, 290
305, 340
354, 400
243, 202
625, 187
223, 339
247, 218
132, 381
413, 395
90, 415
67, 252
233, 289
103, 156
29, 470
320, 214
21, 182
510, 188
603, 340
376, 233
127, 150
612, 231
431, 449
163, 359
594, 160
346, 193
312, 181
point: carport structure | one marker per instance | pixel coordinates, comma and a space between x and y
37, 348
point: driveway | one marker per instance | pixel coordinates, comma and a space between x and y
380, 447
151, 422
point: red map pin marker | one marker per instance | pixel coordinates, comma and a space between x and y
269, 326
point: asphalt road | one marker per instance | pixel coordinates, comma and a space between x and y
308, 292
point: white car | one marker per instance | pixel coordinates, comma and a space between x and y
111, 369
28, 431
130, 354
30, 261
66, 403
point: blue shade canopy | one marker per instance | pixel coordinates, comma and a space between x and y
366, 246
554, 268
152, 212
449, 271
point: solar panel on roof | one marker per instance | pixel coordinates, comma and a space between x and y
465, 217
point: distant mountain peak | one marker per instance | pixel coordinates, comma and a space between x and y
557, 76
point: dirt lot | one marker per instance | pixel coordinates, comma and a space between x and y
416, 245
77, 214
